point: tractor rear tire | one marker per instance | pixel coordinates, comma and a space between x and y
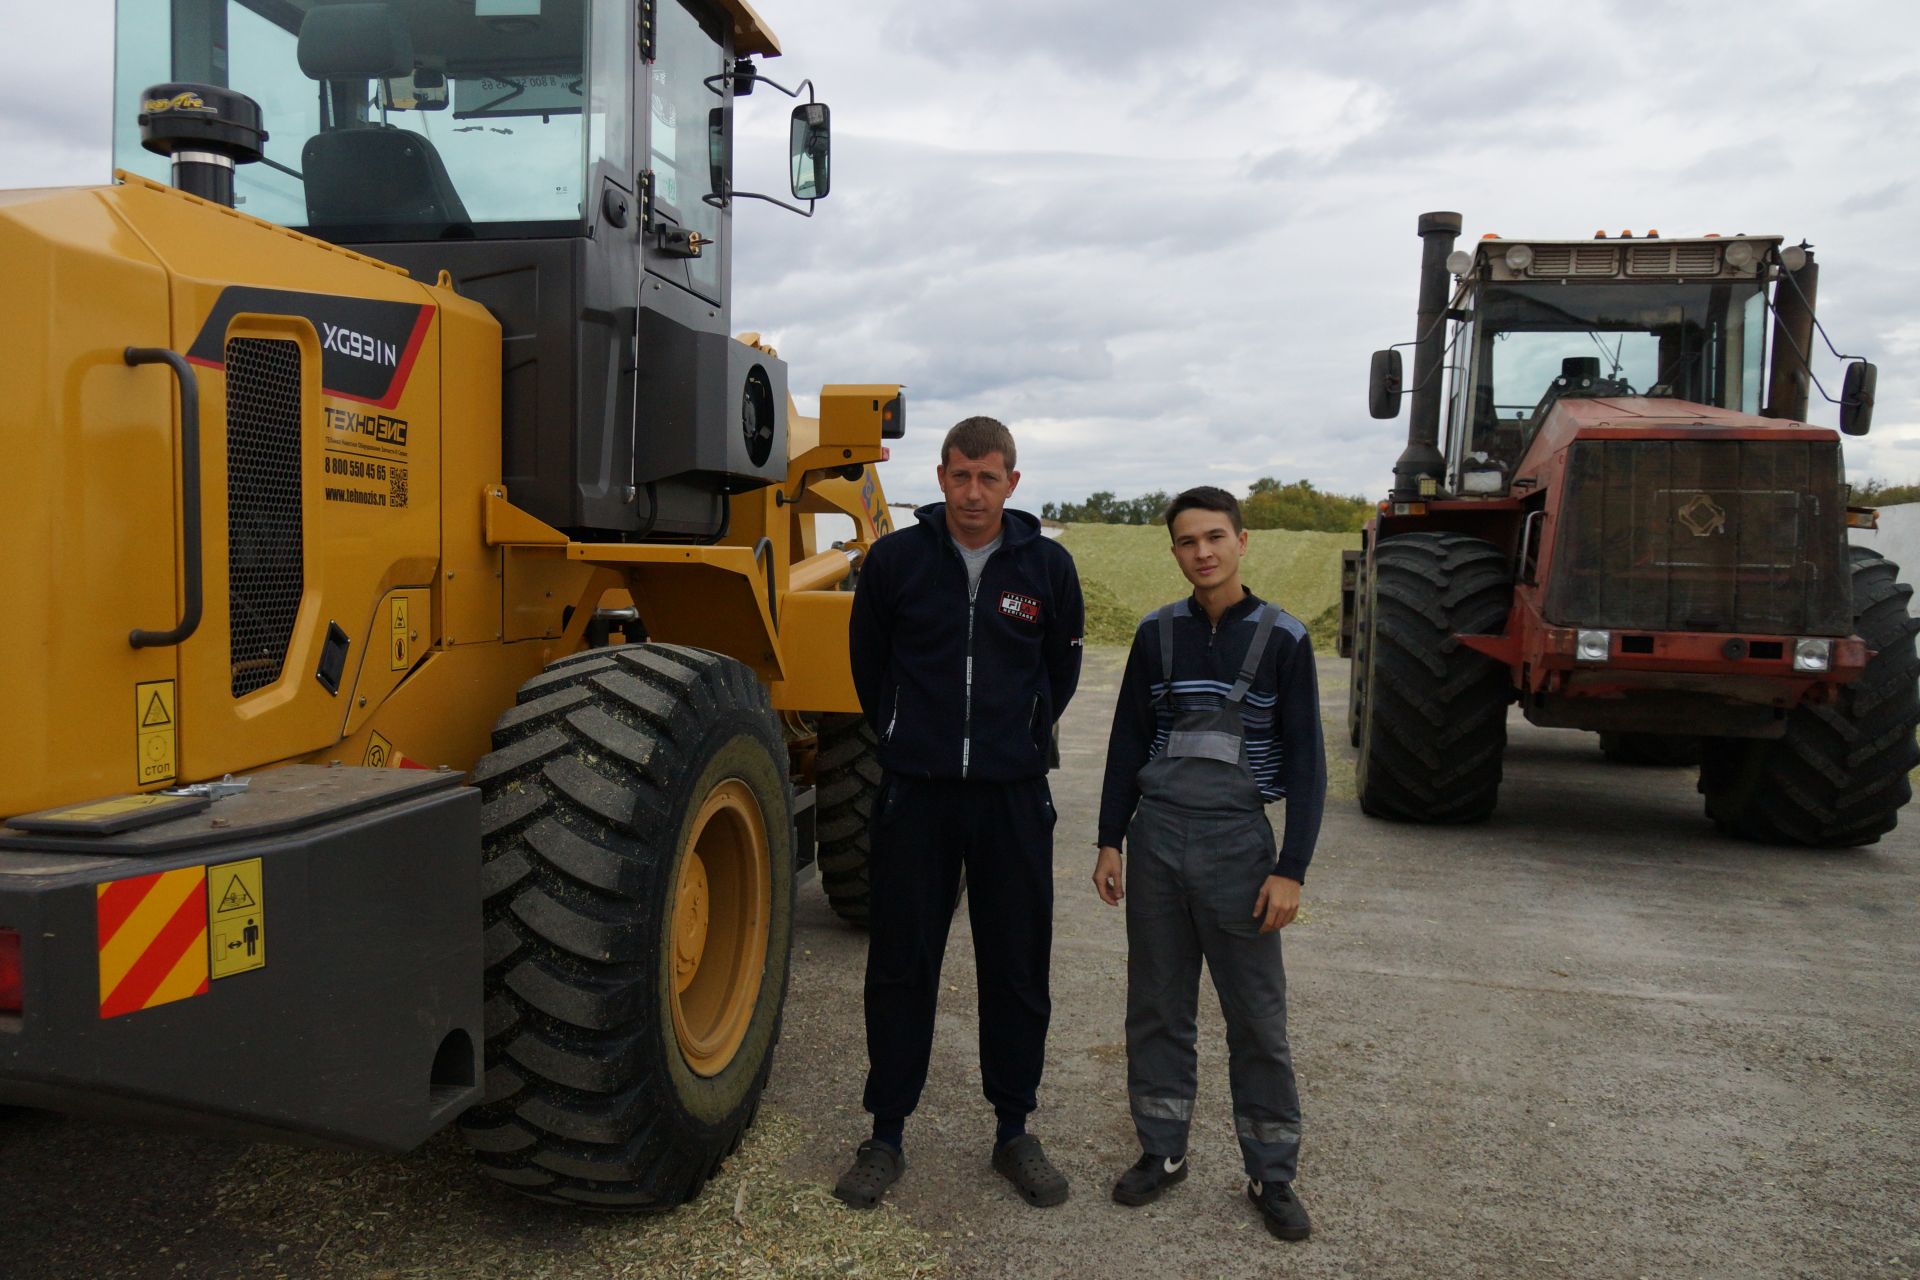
1658, 750
1432, 712
848, 774
1838, 777
638, 839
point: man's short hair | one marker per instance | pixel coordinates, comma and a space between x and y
1206, 497
976, 438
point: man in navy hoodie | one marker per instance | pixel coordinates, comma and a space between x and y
966, 641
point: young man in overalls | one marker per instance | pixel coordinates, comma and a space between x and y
1219, 714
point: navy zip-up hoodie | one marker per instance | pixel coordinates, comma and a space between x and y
909, 638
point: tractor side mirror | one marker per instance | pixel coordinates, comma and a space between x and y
810, 150
1856, 397
1383, 384
717, 151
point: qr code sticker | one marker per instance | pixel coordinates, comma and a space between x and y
397, 490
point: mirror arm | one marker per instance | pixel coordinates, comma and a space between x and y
720, 201
1806, 362
727, 77
1817, 326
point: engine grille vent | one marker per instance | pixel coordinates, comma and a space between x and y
1595, 260
1552, 260
1673, 260
264, 539
1696, 260
1702, 535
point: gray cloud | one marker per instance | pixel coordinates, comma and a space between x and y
1161, 242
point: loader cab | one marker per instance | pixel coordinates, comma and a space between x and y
1536, 323
568, 163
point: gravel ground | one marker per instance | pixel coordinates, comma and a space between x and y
1588, 1038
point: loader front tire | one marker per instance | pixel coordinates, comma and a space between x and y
1432, 712
637, 831
1838, 777
848, 775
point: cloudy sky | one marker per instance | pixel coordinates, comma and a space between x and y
1160, 240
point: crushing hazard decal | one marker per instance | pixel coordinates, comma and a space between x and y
237, 916
153, 939
367, 346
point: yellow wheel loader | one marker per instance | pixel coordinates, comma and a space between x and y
418, 634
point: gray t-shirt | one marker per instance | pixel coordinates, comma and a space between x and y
976, 561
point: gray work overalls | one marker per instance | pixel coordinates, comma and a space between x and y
1199, 848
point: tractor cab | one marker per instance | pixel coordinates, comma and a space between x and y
1529, 333
1531, 324
569, 164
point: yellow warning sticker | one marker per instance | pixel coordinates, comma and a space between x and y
379, 753
154, 732
236, 918
400, 645
117, 806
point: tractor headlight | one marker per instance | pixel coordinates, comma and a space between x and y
1812, 655
1593, 646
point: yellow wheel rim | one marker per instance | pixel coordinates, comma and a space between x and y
717, 947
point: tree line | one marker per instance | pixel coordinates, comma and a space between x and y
1268, 504
1879, 493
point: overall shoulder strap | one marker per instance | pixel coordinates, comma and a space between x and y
1165, 617
1256, 649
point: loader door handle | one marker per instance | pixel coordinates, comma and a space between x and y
189, 494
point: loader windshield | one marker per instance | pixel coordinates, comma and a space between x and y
409, 120
1697, 342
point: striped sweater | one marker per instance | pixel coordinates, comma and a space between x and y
1281, 714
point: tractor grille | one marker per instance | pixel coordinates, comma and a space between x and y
264, 580
1703, 535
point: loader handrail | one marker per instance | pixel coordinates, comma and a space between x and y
189, 495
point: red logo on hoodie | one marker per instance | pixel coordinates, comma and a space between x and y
1014, 605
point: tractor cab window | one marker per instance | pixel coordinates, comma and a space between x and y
1538, 343
408, 120
682, 97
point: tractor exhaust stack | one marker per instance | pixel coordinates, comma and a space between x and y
1422, 455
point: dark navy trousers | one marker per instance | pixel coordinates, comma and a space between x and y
925, 831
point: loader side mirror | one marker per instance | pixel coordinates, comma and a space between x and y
1384, 384
717, 151
810, 149
1856, 397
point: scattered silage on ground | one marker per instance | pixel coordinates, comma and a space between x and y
752, 1220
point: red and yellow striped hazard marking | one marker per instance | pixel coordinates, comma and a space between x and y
153, 940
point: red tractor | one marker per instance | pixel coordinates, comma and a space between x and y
1629, 527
